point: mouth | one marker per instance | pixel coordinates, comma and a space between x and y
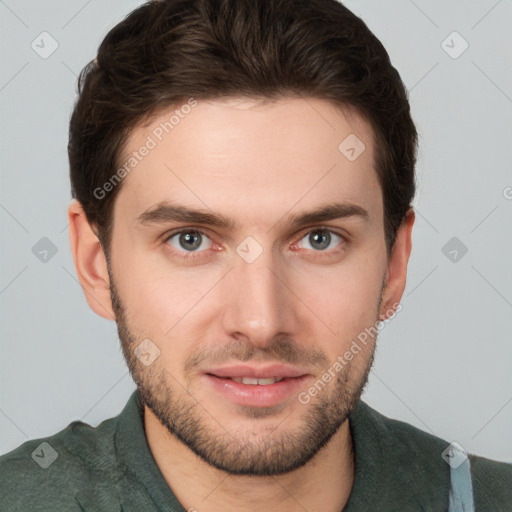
256, 386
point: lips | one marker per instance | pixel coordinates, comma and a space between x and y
257, 386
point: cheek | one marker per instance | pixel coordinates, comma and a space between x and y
345, 297
147, 293
158, 303
166, 304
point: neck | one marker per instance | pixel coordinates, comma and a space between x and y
323, 484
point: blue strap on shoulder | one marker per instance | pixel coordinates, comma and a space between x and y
461, 486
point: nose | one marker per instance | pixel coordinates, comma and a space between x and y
259, 304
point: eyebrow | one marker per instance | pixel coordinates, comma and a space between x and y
166, 212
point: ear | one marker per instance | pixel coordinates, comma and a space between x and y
397, 267
90, 262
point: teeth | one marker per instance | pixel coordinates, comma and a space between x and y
264, 382
253, 382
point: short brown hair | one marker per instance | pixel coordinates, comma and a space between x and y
166, 51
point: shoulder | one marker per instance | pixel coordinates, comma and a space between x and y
399, 463
52, 472
398, 433
414, 450
492, 484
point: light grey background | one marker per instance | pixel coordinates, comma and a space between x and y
443, 364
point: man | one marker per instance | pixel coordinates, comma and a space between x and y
243, 173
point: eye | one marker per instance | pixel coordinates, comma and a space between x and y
189, 240
320, 239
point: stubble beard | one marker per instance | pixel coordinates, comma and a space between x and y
270, 452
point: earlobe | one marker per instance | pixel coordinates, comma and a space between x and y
90, 262
397, 267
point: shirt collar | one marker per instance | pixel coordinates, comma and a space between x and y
133, 451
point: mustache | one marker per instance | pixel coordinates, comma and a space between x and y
279, 350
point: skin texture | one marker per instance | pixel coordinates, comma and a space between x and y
300, 302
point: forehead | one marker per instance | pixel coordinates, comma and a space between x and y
255, 159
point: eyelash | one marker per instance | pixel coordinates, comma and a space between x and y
190, 255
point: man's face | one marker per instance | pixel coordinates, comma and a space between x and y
243, 318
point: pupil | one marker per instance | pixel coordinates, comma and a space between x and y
315, 237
